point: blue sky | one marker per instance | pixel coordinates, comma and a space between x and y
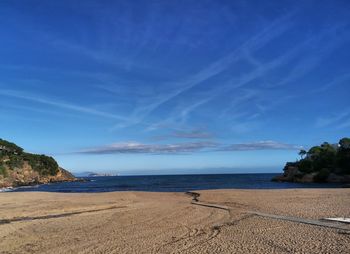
159, 87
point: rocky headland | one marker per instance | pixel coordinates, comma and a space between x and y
18, 168
328, 163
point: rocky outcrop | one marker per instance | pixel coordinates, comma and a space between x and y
334, 178
293, 174
19, 168
327, 163
27, 176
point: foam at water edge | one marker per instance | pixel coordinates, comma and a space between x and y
7, 189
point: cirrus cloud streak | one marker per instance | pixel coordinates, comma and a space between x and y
139, 148
261, 145
188, 147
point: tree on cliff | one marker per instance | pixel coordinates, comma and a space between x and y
343, 155
344, 143
302, 153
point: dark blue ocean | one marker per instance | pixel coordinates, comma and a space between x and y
172, 183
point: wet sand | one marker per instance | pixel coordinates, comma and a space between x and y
140, 222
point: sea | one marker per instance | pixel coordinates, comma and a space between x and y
171, 183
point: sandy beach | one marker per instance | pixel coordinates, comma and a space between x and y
140, 222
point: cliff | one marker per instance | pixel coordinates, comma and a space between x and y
329, 163
18, 168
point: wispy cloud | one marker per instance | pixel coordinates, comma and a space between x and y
319, 47
187, 147
336, 81
235, 84
334, 119
186, 111
59, 104
343, 125
261, 145
272, 31
260, 69
139, 148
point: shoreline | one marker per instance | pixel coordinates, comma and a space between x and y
37, 184
13, 189
189, 192
6, 189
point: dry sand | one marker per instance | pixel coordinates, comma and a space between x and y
139, 222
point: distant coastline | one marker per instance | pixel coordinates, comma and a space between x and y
101, 174
95, 174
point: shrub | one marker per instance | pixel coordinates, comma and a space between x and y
9, 147
15, 161
43, 164
305, 166
322, 175
3, 171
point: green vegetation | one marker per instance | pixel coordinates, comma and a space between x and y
325, 159
45, 165
3, 171
9, 147
12, 157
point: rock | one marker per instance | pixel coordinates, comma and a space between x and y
308, 178
279, 178
293, 174
333, 178
27, 176
18, 168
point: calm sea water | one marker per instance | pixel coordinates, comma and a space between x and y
172, 183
